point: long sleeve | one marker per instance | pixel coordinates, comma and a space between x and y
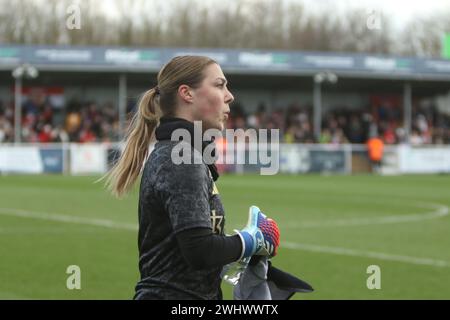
203, 249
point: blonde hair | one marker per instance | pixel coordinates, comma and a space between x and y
158, 101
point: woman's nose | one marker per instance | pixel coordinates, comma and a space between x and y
229, 97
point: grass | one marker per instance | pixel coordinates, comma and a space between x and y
332, 229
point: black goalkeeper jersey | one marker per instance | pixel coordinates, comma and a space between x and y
174, 198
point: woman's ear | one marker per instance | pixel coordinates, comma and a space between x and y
186, 93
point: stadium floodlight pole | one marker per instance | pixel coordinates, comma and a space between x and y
319, 78
17, 74
27, 71
122, 104
407, 110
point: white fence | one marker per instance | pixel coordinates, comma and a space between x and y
83, 159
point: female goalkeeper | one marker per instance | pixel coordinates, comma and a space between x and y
182, 245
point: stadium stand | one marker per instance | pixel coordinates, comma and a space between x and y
89, 121
380, 81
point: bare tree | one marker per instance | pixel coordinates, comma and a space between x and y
256, 24
360, 36
423, 37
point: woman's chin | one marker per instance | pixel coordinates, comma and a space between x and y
218, 125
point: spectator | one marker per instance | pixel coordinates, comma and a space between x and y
45, 135
88, 121
375, 149
416, 139
325, 137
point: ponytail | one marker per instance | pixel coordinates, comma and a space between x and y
121, 178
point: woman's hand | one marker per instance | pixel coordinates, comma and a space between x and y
260, 236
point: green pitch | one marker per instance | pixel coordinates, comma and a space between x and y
332, 229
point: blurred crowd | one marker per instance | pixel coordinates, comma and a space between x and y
78, 121
89, 121
344, 125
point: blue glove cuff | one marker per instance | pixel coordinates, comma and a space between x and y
247, 244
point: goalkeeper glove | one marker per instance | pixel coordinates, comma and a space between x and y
260, 236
